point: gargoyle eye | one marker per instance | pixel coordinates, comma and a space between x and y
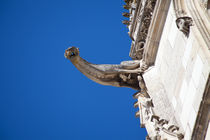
72, 54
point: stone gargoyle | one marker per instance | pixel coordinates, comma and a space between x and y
123, 75
183, 24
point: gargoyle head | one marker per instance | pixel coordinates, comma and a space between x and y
71, 53
183, 24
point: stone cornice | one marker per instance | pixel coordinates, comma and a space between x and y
145, 29
140, 27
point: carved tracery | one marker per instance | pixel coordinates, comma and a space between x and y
144, 16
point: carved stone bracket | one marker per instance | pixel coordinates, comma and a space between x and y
183, 24
129, 5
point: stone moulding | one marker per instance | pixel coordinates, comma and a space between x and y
155, 31
142, 17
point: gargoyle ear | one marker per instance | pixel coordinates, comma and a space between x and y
78, 49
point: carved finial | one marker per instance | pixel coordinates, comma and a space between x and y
183, 24
127, 7
127, 1
126, 22
126, 14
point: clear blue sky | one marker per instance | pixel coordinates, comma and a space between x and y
42, 95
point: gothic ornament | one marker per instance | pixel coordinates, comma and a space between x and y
145, 18
126, 14
126, 22
183, 24
127, 1
123, 75
127, 7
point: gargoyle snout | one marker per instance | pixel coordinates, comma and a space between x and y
71, 52
66, 53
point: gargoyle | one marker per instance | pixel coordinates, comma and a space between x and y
183, 24
123, 75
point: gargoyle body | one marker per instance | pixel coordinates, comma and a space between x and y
123, 75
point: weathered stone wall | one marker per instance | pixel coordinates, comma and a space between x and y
180, 74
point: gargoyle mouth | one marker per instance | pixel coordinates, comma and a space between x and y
71, 52
68, 54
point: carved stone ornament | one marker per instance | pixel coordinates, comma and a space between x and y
183, 24
159, 129
123, 75
205, 5
127, 7
127, 1
126, 22
144, 17
126, 14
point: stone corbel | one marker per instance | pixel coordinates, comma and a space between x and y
183, 24
126, 1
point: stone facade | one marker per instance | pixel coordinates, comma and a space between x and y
172, 40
